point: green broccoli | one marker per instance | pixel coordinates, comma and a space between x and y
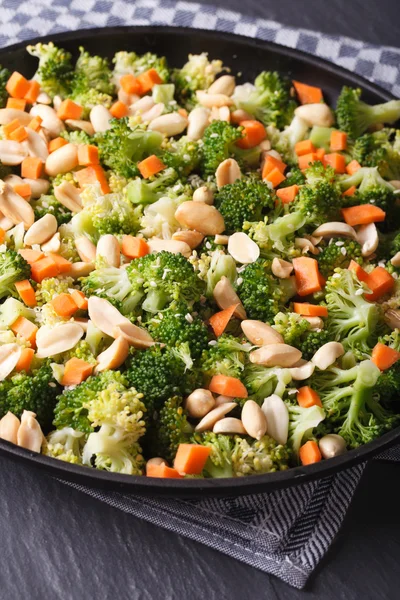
50, 287
294, 177
262, 382
355, 116
74, 137
4, 77
183, 155
95, 72
278, 236
226, 356
36, 392
197, 74
338, 254
169, 428
55, 72
13, 268
122, 146
291, 326
248, 199
220, 265
65, 444
48, 204
218, 143
114, 285
379, 149
312, 341
302, 421
140, 191
130, 62
260, 292
113, 449
269, 101
285, 142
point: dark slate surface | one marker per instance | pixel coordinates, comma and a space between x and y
59, 544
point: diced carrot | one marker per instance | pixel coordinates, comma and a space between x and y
17, 86
336, 161
150, 166
320, 153
18, 103
88, 155
2, 235
227, 386
63, 265
271, 163
35, 123
134, 247
119, 109
308, 94
384, 357
162, 471
358, 270
93, 174
10, 127
310, 453
33, 91
183, 112
23, 189
76, 370
287, 194
363, 214
32, 167
304, 147
219, 321
57, 143
338, 140
310, 310
275, 177
380, 282
18, 135
69, 110
191, 458
130, 84
307, 159
148, 80
31, 256
353, 167
64, 305
25, 360
26, 329
307, 397
80, 299
350, 192
26, 292
253, 133
307, 275
43, 268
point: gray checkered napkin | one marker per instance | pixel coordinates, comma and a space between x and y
287, 532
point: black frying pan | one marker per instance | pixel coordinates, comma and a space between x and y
246, 57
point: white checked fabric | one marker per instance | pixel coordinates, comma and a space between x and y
285, 533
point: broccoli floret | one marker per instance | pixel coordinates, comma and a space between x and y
253, 457
294, 177
159, 220
83, 351
13, 268
218, 142
219, 265
319, 201
302, 421
158, 374
225, 357
285, 141
47, 204
278, 236
262, 382
183, 156
163, 278
260, 292
348, 399
248, 199
11, 309
140, 191
219, 463
94, 71
269, 100
113, 449
352, 319
291, 326
51, 287
121, 146
130, 62
338, 255
197, 74
312, 341
114, 285
379, 149
355, 116
65, 444
88, 98
4, 77
55, 72
74, 137
169, 428
177, 326
73, 405
388, 385
36, 392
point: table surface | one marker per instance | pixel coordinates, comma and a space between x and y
61, 544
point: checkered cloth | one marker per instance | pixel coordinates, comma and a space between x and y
287, 532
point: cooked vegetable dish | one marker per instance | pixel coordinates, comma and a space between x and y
198, 277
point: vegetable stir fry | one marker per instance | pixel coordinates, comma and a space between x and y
198, 278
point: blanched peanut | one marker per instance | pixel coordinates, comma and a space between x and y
157, 460
9, 426
208, 422
114, 356
81, 269
100, 118
52, 341
395, 260
315, 322
53, 244
276, 355
199, 403
68, 195
332, 445
62, 160
392, 318
190, 237
201, 217
210, 100
38, 186
86, 249
10, 114
170, 124
277, 415
174, 246
227, 172
260, 334
198, 120
327, 355
108, 249
335, 229
302, 370
253, 419
9, 356
14, 207
156, 111
225, 296
30, 435
12, 153
315, 114
281, 268
80, 125
50, 121
223, 85
242, 248
35, 145
239, 115
41, 231
203, 194
367, 237
229, 425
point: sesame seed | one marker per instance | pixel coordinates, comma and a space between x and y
293, 391
239, 281
343, 251
208, 245
359, 292
212, 343
339, 244
189, 318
